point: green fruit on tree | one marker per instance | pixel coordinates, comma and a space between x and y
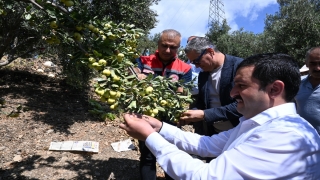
111, 101
95, 30
155, 111
163, 102
102, 62
77, 36
150, 111
113, 94
152, 115
113, 106
95, 64
90, 27
118, 94
106, 72
78, 28
148, 90
112, 36
69, 3
100, 91
120, 57
116, 78
107, 25
92, 60
53, 24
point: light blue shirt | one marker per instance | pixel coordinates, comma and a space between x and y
308, 103
275, 144
195, 74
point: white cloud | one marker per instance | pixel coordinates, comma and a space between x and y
190, 17
248, 9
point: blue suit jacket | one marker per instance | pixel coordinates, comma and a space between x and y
228, 108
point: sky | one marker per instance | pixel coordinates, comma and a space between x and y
190, 17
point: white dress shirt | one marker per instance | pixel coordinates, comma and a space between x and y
275, 144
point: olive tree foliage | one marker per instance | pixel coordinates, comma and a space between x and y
135, 12
295, 28
18, 36
149, 42
26, 27
238, 43
216, 30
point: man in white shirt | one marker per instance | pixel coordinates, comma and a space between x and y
271, 142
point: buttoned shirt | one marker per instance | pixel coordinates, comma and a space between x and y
308, 103
195, 74
275, 144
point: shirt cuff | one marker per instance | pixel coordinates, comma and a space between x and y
168, 130
155, 142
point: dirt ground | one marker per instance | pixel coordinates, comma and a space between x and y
52, 112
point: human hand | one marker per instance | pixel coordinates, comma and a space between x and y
137, 126
192, 116
155, 123
141, 76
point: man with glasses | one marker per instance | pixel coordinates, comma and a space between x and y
214, 106
163, 63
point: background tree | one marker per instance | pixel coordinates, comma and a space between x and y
27, 26
238, 43
135, 12
216, 30
295, 27
148, 42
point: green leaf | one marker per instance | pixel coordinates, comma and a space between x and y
133, 104
160, 108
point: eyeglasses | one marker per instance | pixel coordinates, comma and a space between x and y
197, 61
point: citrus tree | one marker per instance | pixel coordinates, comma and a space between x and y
109, 49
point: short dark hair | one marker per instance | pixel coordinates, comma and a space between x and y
309, 52
270, 67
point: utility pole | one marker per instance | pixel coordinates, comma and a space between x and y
216, 12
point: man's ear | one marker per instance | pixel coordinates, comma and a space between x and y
276, 89
210, 50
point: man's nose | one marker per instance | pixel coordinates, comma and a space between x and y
233, 92
168, 50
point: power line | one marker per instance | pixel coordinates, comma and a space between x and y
179, 11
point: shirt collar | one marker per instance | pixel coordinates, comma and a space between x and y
271, 113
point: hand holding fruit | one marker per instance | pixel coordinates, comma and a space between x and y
137, 126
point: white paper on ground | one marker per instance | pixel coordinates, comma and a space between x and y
125, 145
87, 146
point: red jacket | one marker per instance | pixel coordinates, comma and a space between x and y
177, 69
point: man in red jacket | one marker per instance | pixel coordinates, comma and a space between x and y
163, 63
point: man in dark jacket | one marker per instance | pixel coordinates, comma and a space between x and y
215, 109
